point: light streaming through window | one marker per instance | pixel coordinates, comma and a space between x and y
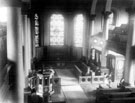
78, 30
111, 21
3, 14
111, 17
57, 30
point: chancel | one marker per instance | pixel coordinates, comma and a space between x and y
67, 51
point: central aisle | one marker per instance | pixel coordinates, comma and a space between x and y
67, 77
70, 87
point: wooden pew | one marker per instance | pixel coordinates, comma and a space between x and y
81, 71
122, 100
82, 79
77, 71
116, 95
118, 100
108, 90
83, 68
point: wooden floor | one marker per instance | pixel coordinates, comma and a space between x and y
74, 92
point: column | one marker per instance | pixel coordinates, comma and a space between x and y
129, 70
92, 24
105, 38
33, 35
70, 35
27, 47
14, 49
84, 39
30, 39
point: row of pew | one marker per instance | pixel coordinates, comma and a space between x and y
121, 94
81, 73
115, 95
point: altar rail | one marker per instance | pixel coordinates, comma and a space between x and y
82, 79
91, 79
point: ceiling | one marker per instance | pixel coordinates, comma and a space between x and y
69, 4
66, 4
63, 4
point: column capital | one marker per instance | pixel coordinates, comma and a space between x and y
106, 14
131, 12
92, 16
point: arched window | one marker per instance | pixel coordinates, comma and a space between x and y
57, 29
78, 30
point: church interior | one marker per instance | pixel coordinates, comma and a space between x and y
67, 51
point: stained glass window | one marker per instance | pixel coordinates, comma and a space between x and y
57, 30
78, 30
36, 30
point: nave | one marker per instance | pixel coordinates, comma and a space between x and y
69, 90
85, 89
48, 48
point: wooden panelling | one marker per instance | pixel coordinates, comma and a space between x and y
54, 53
58, 53
119, 47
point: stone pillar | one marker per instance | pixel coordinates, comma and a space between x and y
105, 26
14, 50
33, 35
26, 43
84, 39
129, 70
30, 39
105, 38
92, 24
27, 47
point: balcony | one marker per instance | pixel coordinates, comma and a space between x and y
118, 39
